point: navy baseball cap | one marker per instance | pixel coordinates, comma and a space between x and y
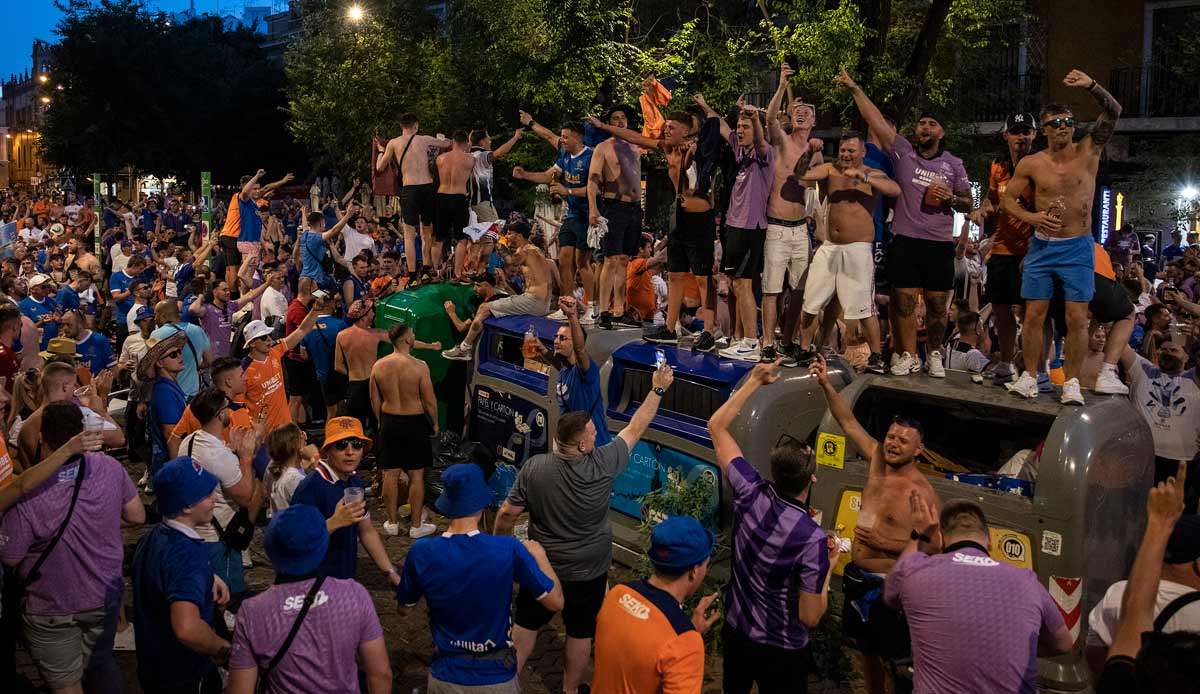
1184, 545
464, 491
143, 313
181, 483
678, 543
1019, 121
296, 540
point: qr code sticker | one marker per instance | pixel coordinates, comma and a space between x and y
1051, 543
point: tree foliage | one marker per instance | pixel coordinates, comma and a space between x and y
162, 97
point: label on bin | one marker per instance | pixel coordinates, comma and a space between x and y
1011, 547
831, 450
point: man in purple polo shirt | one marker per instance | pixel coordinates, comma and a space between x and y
340, 624
933, 184
72, 603
779, 582
977, 625
215, 310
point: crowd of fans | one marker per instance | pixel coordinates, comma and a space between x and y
211, 351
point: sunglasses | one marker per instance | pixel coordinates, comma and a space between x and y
346, 443
1059, 122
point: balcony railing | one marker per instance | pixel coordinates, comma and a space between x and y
1155, 91
993, 98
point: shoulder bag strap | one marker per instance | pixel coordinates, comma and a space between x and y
1175, 606
214, 522
287, 642
188, 341
35, 571
404, 153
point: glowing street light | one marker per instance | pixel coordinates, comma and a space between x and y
45, 99
43, 78
1189, 193
355, 13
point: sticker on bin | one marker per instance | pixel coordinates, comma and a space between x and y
1051, 543
1067, 594
831, 450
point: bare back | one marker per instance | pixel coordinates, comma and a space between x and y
788, 191
536, 271
885, 503
415, 167
397, 378
454, 170
851, 207
360, 348
621, 170
1069, 174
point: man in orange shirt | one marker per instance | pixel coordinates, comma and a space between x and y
265, 397
639, 279
1010, 241
230, 379
644, 641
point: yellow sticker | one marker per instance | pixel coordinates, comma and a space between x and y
844, 523
1011, 547
831, 450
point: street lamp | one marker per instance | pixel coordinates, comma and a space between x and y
45, 99
1189, 193
355, 13
43, 78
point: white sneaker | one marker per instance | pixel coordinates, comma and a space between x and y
936, 368
743, 350
425, 530
588, 317
459, 353
124, 641
390, 528
1071, 393
557, 315
1026, 386
904, 364
1109, 383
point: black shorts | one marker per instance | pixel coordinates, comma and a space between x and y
299, 378
417, 204
229, 251
921, 264
573, 234
742, 256
333, 390
1004, 279
404, 442
885, 631
581, 605
452, 214
357, 402
1109, 303
624, 227
775, 670
691, 246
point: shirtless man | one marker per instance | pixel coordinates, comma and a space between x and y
455, 169
1063, 178
354, 354
524, 256
785, 249
403, 400
845, 263
82, 258
615, 193
883, 530
691, 244
409, 151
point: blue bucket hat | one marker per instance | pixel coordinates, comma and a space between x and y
678, 543
181, 483
296, 540
143, 313
465, 493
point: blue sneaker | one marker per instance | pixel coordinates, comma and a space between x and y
1044, 384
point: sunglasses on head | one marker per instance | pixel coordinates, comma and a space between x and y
1059, 122
346, 443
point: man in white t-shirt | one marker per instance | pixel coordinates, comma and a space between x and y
239, 488
963, 353
1180, 577
32, 233
142, 298
273, 302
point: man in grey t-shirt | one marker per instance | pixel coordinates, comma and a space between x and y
567, 493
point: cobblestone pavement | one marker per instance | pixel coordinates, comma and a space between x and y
406, 630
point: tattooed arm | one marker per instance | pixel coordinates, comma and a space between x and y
1110, 110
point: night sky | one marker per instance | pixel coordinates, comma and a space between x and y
26, 20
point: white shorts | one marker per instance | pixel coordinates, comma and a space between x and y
250, 251
845, 268
519, 305
785, 250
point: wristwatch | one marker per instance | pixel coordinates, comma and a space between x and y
660, 391
921, 537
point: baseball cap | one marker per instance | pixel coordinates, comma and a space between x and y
296, 540
255, 329
1183, 547
143, 313
930, 115
181, 483
38, 279
1020, 120
678, 543
464, 491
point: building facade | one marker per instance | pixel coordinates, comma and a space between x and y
20, 101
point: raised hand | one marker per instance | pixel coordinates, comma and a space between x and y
843, 79
526, 119
702, 619
819, 370
1165, 502
766, 374
785, 73
1078, 79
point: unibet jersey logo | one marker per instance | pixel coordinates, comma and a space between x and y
634, 606
295, 602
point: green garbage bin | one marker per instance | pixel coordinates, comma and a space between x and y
422, 309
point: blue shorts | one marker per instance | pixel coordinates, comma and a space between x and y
573, 234
227, 563
1067, 265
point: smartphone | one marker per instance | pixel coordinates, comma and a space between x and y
320, 295
660, 358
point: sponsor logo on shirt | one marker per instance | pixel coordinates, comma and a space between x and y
474, 646
973, 560
634, 606
295, 602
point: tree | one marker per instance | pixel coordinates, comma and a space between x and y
162, 97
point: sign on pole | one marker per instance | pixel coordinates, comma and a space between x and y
98, 207
206, 198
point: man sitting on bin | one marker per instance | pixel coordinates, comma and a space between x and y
883, 532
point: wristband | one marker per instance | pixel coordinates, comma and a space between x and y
922, 537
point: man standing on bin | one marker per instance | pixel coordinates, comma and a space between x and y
882, 534
567, 494
578, 376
